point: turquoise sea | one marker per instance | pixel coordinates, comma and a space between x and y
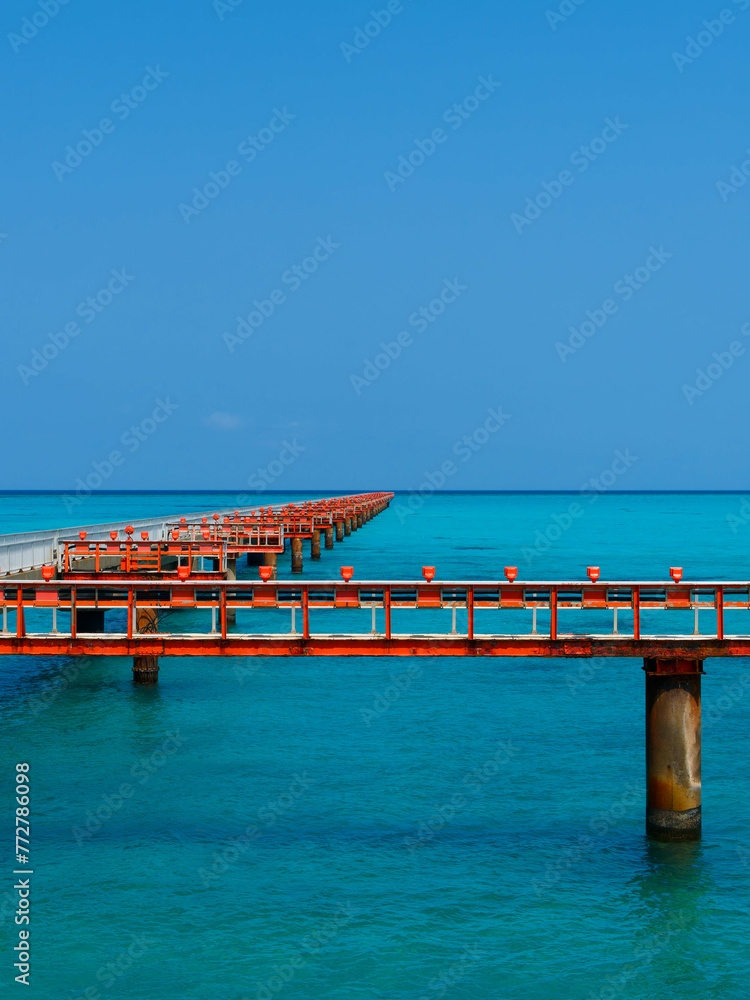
374, 829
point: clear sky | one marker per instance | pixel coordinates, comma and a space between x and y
541, 180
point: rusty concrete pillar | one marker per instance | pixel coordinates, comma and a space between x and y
339, 531
359, 520
296, 555
231, 575
329, 537
673, 748
315, 544
146, 668
347, 526
269, 559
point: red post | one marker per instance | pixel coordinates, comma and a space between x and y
20, 624
73, 630
553, 613
636, 613
470, 609
387, 603
305, 613
223, 608
719, 612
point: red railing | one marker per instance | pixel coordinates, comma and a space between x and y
225, 595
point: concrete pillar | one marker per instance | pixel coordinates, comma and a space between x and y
673, 748
269, 559
329, 537
296, 555
89, 620
315, 544
339, 531
347, 526
359, 520
231, 575
146, 668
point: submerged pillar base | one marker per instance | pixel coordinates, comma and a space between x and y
145, 669
667, 825
329, 537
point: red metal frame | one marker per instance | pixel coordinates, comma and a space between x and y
80, 594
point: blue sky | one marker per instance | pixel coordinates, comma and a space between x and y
541, 180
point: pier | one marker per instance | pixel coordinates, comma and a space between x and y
193, 569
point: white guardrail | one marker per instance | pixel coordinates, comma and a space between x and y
30, 550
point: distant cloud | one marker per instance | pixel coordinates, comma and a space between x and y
220, 421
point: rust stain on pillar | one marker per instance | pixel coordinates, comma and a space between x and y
296, 555
329, 537
339, 531
359, 520
315, 544
673, 748
347, 526
146, 668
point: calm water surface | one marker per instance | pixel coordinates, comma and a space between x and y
367, 828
